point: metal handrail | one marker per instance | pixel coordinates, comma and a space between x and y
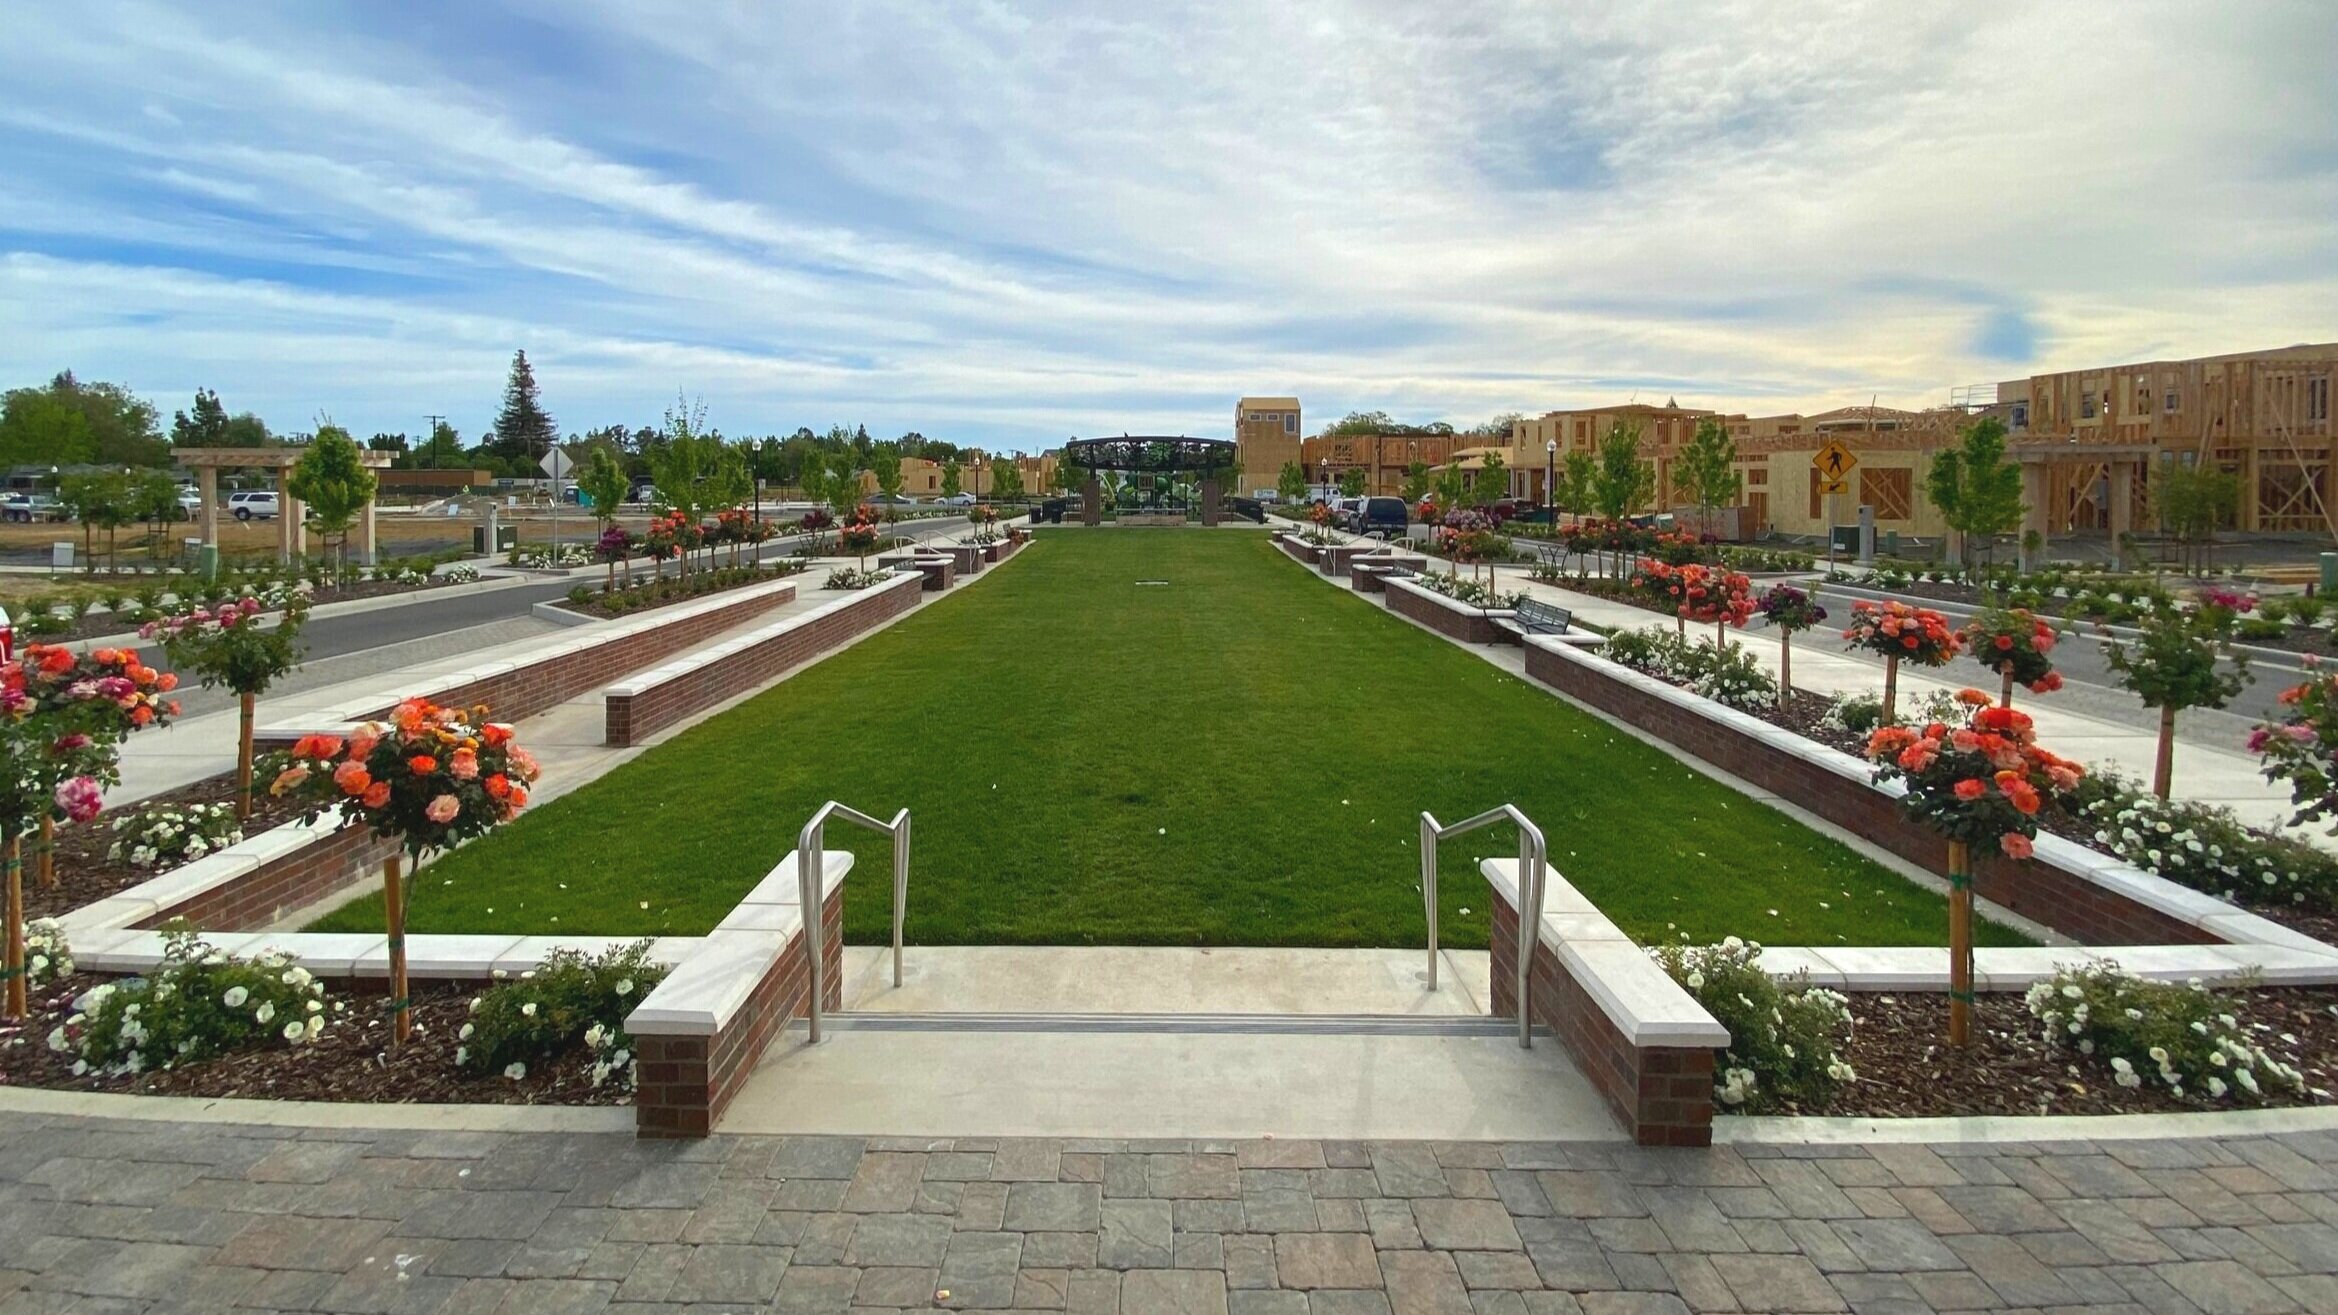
1532, 853
812, 879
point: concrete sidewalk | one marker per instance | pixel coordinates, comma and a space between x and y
2204, 773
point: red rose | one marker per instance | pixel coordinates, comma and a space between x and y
422, 764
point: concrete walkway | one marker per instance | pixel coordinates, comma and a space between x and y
139, 1215
2204, 773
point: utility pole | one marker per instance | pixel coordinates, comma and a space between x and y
431, 443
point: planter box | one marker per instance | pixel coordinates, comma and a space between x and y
1334, 561
2091, 898
967, 558
635, 708
1369, 576
1298, 547
1454, 620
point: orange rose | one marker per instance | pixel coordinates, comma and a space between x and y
1970, 789
422, 764
464, 765
519, 799
2015, 845
497, 786
375, 795
167, 681
352, 777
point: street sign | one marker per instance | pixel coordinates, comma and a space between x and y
556, 463
1830, 487
1835, 463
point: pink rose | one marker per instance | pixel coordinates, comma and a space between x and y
80, 799
443, 809
463, 765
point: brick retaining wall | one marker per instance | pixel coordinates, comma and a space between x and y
1664, 1094
1298, 548
685, 1082
2035, 889
1469, 625
282, 885
633, 715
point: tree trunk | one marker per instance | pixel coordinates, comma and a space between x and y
1891, 691
394, 914
45, 857
1960, 943
243, 755
1785, 666
2163, 767
2005, 695
16, 1004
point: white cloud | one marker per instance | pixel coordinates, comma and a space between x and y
1025, 221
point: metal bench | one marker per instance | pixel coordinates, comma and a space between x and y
1539, 618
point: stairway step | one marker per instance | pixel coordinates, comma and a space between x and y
1186, 1024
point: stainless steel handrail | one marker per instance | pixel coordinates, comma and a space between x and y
1532, 854
812, 880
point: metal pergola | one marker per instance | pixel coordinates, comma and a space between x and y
1148, 454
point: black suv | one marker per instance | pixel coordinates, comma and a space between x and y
1379, 516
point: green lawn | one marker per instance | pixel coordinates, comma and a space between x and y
1093, 760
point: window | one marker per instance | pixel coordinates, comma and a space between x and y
2174, 401
1290, 422
1757, 476
1818, 500
1886, 490
2021, 415
2318, 397
2142, 398
2086, 405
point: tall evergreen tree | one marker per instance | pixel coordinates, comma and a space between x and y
523, 430
207, 427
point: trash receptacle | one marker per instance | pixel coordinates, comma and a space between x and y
507, 537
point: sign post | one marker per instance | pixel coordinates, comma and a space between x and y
1834, 464
556, 464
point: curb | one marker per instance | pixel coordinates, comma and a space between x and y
485, 584
319, 1114
1998, 1129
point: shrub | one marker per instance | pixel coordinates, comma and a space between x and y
2204, 847
46, 955
198, 1003
2185, 1038
1855, 713
1727, 675
846, 577
1783, 1035
166, 835
566, 1000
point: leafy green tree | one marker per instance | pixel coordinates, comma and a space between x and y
523, 430
1452, 487
154, 500
231, 648
1416, 482
1363, 422
1623, 482
38, 428
207, 427
1492, 483
444, 447
1976, 488
1706, 471
1291, 483
952, 481
683, 460
2180, 661
1351, 483
1006, 479
1578, 482
2193, 502
885, 464
1497, 429
99, 502
332, 479
603, 483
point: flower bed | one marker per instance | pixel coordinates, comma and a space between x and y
648, 595
1466, 622
89, 868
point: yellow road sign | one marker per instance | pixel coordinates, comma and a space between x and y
1833, 486
1834, 462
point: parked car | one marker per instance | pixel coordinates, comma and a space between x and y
252, 505
29, 507
959, 499
1382, 515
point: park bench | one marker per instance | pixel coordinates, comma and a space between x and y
1534, 617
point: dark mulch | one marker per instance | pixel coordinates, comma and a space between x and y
97, 624
650, 595
1907, 1068
85, 874
351, 1061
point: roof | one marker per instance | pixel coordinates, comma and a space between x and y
1267, 404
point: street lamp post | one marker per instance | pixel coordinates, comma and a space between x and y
756, 446
1550, 480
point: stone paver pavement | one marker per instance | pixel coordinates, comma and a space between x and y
130, 1216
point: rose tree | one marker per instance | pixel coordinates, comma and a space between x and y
232, 648
62, 719
2014, 643
1901, 633
1790, 609
430, 777
2300, 748
2178, 663
1977, 784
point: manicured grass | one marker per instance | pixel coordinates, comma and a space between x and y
1236, 757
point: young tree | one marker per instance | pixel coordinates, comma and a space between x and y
604, 485
1578, 478
1623, 482
233, 649
953, 483
99, 502
1706, 472
684, 459
1291, 482
1977, 490
332, 479
523, 431
885, 464
154, 499
2193, 503
1006, 479
1416, 483
1452, 487
1493, 481
1351, 483
2177, 663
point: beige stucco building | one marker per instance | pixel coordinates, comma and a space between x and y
1266, 438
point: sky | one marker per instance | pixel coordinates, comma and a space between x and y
1009, 224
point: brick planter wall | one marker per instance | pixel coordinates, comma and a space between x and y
1334, 561
631, 715
292, 881
967, 558
1369, 581
1664, 1094
1298, 548
2036, 889
687, 1081
1469, 625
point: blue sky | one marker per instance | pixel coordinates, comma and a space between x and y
1006, 224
